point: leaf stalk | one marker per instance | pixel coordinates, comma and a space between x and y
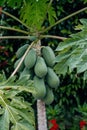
15, 18
63, 19
14, 29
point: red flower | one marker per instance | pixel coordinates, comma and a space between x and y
53, 121
82, 123
54, 125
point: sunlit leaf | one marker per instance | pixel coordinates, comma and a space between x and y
15, 112
72, 53
4, 120
22, 126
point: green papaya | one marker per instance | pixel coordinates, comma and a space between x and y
21, 66
40, 68
49, 98
30, 59
40, 89
27, 72
21, 51
49, 56
52, 79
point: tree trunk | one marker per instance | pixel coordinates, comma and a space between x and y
41, 111
41, 115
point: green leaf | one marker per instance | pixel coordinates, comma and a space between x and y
2, 77
18, 102
23, 84
34, 12
72, 53
22, 126
83, 25
61, 67
28, 115
14, 109
51, 15
81, 67
4, 120
11, 94
85, 75
16, 112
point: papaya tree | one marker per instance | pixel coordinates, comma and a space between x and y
40, 68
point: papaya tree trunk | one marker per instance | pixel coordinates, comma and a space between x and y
41, 115
41, 110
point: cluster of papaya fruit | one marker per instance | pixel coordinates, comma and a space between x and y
39, 67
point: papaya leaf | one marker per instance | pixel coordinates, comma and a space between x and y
51, 15
72, 53
12, 83
15, 112
85, 75
22, 126
2, 77
4, 119
83, 24
34, 12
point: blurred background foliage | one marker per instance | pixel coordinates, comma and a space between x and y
73, 88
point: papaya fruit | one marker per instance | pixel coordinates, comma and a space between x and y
40, 88
27, 72
40, 68
30, 59
21, 66
52, 79
21, 51
48, 55
49, 97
